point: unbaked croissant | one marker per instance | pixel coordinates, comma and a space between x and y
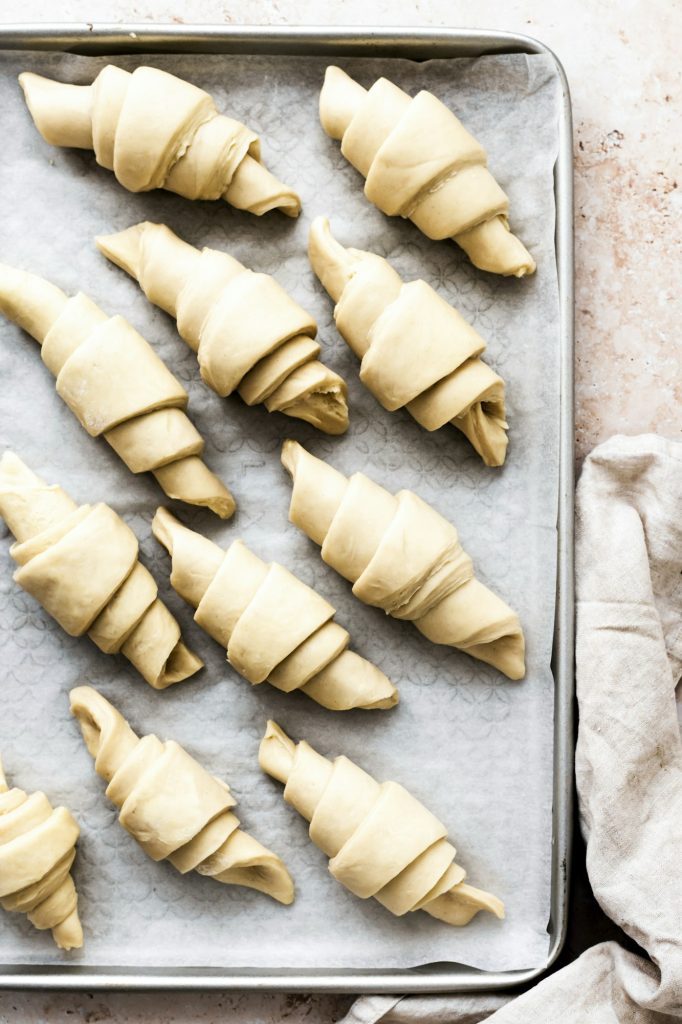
154, 130
274, 627
403, 556
172, 806
116, 385
248, 334
80, 562
37, 850
417, 351
381, 841
420, 162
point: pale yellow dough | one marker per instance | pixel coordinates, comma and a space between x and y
172, 806
417, 351
248, 334
274, 627
404, 557
420, 162
381, 841
80, 562
154, 130
37, 850
116, 385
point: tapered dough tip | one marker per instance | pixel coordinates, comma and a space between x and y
97, 720
492, 246
36, 90
61, 112
29, 300
497, 453
328, 258
276, 752
257, 868
280, 885
124, 247
340, 98
190, 480
224, 506
90, 709
164, 527
291, 454
319, 227
69, 933
492, 904
511, 656
256, 189
286, 893
30, 83
14, 470
516, 668
182, 664
81, 694
459, 905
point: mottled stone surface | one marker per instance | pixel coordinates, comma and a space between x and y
622, 61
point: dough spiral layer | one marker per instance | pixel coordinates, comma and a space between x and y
402, 556
80, 563
248, 334
37, 850
274, 627
154, 130
172, 806
381, 841
420, 162
417, 351
116, 385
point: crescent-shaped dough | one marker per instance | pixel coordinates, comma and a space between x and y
381, 841
417, 351
274, 627
172, 806
80, 563
403, 556
248, 334
116, 385
154, 130
37, 850
420, 162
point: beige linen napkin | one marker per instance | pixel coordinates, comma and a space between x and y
628, 758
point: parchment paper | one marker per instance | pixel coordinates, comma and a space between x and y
476, 748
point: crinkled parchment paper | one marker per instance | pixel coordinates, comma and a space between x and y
476, 748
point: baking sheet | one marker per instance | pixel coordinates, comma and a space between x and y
475, 747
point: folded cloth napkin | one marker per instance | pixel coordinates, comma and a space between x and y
628, 757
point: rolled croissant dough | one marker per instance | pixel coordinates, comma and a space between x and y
80, 562
154, 130
402, 556
420, 162
172, 806
117, 386
248, 333
417, 351
381, 841
37, 850
273, 626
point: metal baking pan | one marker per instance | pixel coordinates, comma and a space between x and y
415, 44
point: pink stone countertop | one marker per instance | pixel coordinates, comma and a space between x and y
622, 61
